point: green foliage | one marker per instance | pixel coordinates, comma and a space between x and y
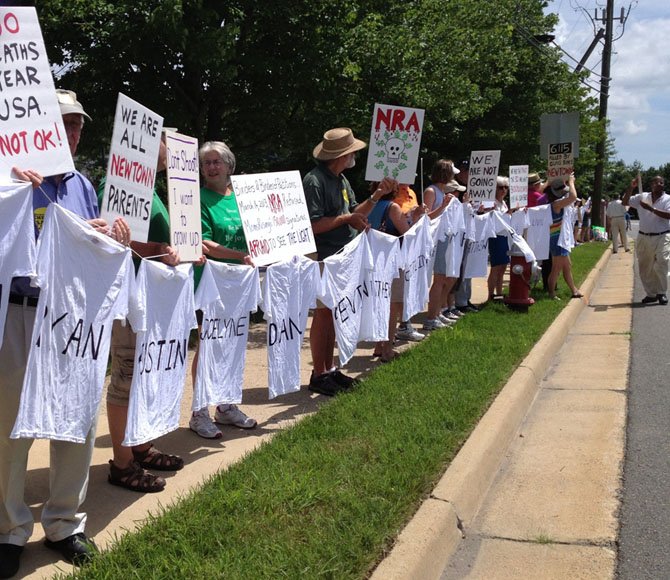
269, 77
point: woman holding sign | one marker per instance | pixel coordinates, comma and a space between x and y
560, 197
223, 240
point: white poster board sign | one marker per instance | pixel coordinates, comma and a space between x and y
395, 138
274, 216
560, 161
482, 176
183, 182
32, 135
131, 170
518, 186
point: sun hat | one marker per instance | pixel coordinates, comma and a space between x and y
558, 187
336, 143
533, 178
453, 185
69, 104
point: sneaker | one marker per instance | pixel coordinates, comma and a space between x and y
450, 314
345, 381
231, 415
444, 320
325, 384
433, 324
409, 334
472, 308
76, 549
202, 424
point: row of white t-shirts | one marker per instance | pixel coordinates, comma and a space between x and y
17, 240
86, 281
162, 314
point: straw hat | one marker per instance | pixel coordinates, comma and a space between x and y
337, 143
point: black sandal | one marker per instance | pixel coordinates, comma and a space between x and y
135, 478
152, 458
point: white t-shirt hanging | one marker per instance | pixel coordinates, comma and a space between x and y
537, 233
519, 221
289, 292
477, 263
454, 221
163, 320
227, 293
343, 288
566, 239
417, 247
17, 240
469, 221
86, 279
376, 310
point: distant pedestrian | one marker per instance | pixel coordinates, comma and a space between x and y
616, 213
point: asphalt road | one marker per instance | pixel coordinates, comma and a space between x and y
644, 540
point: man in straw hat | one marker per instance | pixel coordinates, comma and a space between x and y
336, 220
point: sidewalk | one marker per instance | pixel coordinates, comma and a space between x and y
534, 491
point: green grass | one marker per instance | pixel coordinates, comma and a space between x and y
326, 497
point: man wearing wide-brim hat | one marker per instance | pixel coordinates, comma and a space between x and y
336, 220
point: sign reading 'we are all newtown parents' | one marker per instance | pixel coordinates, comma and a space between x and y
482, 175
31, 127
394, 143
131, 171
274, 216
183, 182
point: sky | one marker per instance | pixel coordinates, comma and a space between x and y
639, 101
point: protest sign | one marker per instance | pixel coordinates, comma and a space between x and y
518, 186
394, 143
32, 135
482, 176
131, 171
274, 216
183, 182
560, 161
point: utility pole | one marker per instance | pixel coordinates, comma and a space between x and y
607, 17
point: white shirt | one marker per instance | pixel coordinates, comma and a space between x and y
537, 233
477, 262
79, 299
615, 209
163, 318
227, 293
649, 222
289, 292
344, 287
416, 249
376, 310
17, 240
566, 239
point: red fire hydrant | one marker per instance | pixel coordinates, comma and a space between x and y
520, 274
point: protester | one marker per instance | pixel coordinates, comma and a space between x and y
336, 219
535, 189
561, 196
128, 467
616, 213
652, 247
69, 462
498, 246
436, 197
387, 216
586, 220
224, 241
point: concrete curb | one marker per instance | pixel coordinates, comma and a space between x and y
424, 547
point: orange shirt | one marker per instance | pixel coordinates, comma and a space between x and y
406, 198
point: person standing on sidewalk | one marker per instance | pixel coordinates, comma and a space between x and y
336, 220
616, 216
652, 248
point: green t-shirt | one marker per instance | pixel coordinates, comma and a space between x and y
221, 223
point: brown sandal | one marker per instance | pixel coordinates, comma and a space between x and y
152, 458
135, 478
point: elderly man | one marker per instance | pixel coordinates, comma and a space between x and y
535, 189
653, 242
70, 462
616, 216
336, 219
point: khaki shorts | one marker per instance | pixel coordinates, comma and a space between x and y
123, 362
398, 288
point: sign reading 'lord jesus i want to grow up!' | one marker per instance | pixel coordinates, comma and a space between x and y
183, 182
131, 171
32, 135
274, 216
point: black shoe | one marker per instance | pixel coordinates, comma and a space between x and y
10, 559
324, 384
343, 380
76, 549
662, 299
649, 299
